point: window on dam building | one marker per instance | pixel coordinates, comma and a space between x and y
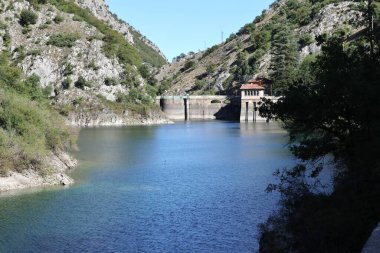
252, 88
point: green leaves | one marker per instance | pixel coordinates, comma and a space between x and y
284, 58
28, 17
63, 40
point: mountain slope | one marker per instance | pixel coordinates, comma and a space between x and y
222, 68
97, 68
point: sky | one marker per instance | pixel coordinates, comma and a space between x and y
182, 26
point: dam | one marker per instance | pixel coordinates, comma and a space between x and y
200, 107
185, 108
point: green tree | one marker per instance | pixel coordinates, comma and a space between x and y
243, 70
284, 58
332, 110
81, 83
189, 65
28, 17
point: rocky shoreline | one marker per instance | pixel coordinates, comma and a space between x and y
59, 163
108, 118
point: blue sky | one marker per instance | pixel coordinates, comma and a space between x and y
182, 26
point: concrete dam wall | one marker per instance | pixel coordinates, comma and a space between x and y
200, 107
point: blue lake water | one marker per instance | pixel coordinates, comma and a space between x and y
187, 187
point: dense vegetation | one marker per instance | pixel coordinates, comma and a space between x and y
275, 34
331, 108
29, 128
148, 54
63, 40
28, 17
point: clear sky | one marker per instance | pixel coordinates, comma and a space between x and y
177, 26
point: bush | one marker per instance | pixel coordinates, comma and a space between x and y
63, 40
93, 66
210, 50
66, 84
164, 86
199, 84
210, 68
189, 65
144, 71
28, 17
58, 19
7, 39
81, 83
29, 127
305, 39
109, 81
69, 69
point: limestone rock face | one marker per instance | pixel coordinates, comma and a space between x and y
60, 67
332, 17
101, 10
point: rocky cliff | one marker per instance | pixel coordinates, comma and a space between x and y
80, 51
100, 10
223, 68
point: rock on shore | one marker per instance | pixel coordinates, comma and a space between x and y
59, 163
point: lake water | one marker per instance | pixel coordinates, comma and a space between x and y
187, 187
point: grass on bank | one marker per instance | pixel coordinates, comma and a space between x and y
29, 127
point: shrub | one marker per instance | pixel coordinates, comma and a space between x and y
164, 86
43, 26
3, 26
34, 52
26, 30
109, 81
189, 65
199, 84
28, 17
69, 69
66, 84
93, 66
210, 50
144, 71
305, 39
210, 68
7, 39
29, 127
58, 19
81, 83
63, 40
78, 101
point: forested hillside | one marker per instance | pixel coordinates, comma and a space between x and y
331, 111
274, 47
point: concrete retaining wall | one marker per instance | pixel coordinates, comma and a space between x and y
199, 107
250, 108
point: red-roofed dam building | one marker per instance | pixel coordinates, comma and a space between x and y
251, 100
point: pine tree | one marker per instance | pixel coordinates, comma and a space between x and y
284, 58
